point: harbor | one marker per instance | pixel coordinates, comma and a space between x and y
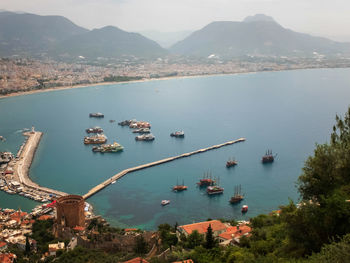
119, 175
15, 176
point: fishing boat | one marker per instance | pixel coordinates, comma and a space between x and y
231, 162
108, 148
97, 139
95, 129
179, 187
244, 209
268, 157
206, 180
238, 196
111, 121
142, 130
145, 137
214, 190
178, 134
96, 115
165, 202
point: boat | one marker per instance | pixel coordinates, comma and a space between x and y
96, 115
165, 202
95, 129
113, 182
142, 130
178, 134
2, 138
179, 187
231, 162
111, 121
268, 157
244, 209
206, 180
124, 123
237, 197
145, 137
96, 139
214, 190
5, 157
105, 148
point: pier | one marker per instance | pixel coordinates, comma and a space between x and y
119, 175
23, 162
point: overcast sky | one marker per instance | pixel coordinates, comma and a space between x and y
330, 18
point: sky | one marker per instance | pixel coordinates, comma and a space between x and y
328, 18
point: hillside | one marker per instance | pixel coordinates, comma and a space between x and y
29, 34
258, 35
108, 41
56, 36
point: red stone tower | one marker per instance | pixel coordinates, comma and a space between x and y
70, 211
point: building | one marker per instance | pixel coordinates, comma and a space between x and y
3, 246
70, 211
233, 234
217, 226
54, 247
7, 258
184, 261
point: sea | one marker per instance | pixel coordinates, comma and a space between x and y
288, 112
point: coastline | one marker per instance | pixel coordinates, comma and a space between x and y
22, 93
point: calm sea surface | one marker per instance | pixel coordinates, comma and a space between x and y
287, 112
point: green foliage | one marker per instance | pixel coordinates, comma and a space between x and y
194, 240
42, 234
210, 240
141, 246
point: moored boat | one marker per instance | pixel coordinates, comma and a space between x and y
214, 190
231, 162
96, 115
165, 202
244, 209
238, 196
268, 157
95, 129
105, 148
96, 139
206, 180
145, 137
179, 187
178, 134
142, 130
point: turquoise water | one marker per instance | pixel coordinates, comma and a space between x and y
287, 112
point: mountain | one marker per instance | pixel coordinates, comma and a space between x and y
108, 41
166, 39
256, 35
56, 36
29, 34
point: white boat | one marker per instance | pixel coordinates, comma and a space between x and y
165, 202
113, 182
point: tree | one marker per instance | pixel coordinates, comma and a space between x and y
194, 240
27, 245
141, 246
209, 238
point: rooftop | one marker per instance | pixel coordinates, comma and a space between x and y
202, 227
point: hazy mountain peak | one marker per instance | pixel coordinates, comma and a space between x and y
258, 18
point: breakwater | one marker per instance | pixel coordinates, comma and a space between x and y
119, 175
23, 162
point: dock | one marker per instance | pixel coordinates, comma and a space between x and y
119, 175
23, 162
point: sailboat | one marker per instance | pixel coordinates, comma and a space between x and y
180, 187
238, 196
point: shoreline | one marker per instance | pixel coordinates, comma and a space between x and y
23, 93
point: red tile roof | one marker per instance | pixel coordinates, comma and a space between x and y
202, 227
44, 217
185, 261
130, 229
2, 244
136, 260
234, 232
7, 258
79, 228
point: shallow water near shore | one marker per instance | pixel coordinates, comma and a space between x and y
287, 112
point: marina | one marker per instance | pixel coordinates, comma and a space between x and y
170, 159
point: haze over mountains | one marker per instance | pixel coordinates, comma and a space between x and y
58, 37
